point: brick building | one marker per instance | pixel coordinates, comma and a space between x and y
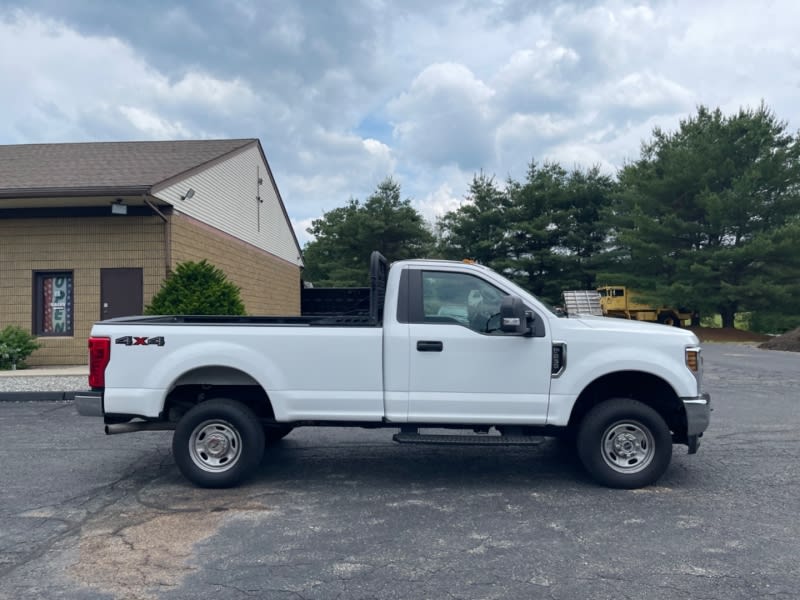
89, 231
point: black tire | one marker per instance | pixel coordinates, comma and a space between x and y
218, 443
670, 319
272, 435
623, 443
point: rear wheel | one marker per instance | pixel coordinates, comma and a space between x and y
624, 443
218, 443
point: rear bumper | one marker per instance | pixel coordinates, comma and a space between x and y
698, 414
89, 404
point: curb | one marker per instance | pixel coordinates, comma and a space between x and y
37, 396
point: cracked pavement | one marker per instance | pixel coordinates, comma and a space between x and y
346, 513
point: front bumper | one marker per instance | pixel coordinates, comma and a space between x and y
89, 404
698, 414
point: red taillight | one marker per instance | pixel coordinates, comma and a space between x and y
99, 355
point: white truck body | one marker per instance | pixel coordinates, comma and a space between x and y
410, 368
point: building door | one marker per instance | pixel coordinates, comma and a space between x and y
120, 293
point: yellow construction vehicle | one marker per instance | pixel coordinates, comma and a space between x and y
616, 301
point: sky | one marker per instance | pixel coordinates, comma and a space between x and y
344, 93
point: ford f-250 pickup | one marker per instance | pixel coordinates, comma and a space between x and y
443, 345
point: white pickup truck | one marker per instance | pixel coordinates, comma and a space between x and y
444, 345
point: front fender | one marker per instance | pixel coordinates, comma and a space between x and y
584, 366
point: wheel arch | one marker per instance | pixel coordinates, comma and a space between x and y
206, 382
644, 387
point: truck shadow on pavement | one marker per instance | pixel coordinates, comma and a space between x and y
385, 464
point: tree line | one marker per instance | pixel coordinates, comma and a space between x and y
707, 217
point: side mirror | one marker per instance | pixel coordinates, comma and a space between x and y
514, 317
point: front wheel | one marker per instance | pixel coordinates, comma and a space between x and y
218, 443
623, 443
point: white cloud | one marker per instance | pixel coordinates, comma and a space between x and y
381, 152
225, 96
533, 74
444, 117
335, 167
300, 227
75, 87
442, 200
525, 137
578, 155
152, 125
429, 93
613, 35
645, 91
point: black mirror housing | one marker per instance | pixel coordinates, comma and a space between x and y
514, 316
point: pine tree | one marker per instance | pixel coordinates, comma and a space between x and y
346, 236
709, 216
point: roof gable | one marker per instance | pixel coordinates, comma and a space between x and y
104, 165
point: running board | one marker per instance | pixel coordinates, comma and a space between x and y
467, 440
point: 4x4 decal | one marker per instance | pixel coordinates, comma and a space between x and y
132, 340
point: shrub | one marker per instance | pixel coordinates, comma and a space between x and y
764, 322
16, 345
197, 289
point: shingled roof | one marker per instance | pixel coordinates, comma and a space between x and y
95, 168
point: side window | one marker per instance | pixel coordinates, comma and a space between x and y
460, 299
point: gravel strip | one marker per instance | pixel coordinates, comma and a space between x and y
55, 383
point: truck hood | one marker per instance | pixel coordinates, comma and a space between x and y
614, 325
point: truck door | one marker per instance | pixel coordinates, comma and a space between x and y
461, 368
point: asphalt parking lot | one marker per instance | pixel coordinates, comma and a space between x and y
349, 514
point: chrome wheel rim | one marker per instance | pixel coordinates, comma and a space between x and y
628, 447
215, 446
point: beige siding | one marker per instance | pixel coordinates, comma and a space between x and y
80, 245
269, 285
225, 198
